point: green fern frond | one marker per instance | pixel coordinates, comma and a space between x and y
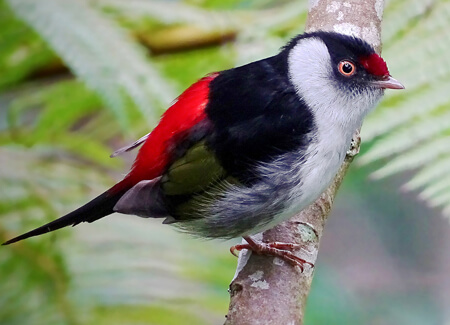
440, 200
436, 188
411, 131
99, 52
415, 158
429, 174
420, 130
414, 104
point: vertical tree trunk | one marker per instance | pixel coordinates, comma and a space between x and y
266, 290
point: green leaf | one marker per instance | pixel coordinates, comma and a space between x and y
99, 52
410, 131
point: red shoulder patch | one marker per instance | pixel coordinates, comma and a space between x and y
185, 112
375, 65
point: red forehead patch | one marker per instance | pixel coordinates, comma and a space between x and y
375, 65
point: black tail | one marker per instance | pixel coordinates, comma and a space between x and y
96, 209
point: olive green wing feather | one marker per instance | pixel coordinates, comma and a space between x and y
193, 181
194, 172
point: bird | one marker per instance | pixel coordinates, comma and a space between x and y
242, 150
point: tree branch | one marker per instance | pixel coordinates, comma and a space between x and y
267, 290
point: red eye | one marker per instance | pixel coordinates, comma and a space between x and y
347, 68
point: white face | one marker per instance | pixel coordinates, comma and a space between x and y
312, 74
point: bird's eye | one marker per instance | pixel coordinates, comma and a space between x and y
347, 68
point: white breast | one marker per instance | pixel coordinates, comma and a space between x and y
337, 112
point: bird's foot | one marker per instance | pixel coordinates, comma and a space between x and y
277, 249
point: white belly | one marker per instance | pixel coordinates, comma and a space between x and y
324, 158
310, 177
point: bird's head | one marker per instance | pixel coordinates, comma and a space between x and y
338, 76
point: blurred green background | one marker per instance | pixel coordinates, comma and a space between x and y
79, 79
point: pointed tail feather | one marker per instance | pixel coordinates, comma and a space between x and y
96, 209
